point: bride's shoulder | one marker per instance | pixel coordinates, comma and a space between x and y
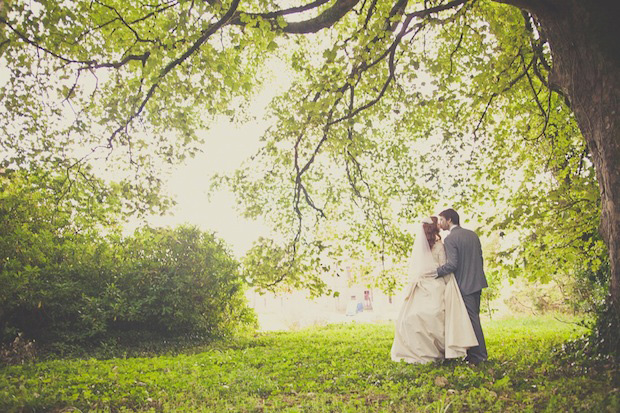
438, 244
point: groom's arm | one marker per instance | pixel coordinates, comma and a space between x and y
452, 258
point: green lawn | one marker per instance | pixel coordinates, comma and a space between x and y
335, 368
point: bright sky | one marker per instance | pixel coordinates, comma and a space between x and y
226, 146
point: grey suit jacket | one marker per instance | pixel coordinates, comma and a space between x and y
464, 259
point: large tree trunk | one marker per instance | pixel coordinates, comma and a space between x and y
583, 37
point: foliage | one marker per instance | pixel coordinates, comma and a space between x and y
266, 264
51, 251
603, 341
70, 278
178, 281
472, 98
123, 94
333, 368
379, 100
494, 275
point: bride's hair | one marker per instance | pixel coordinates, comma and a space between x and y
432, 232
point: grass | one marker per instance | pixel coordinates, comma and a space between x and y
338, 368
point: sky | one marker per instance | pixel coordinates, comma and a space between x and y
226, 147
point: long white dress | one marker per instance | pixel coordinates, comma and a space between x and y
433, 323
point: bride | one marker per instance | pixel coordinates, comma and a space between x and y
433, 323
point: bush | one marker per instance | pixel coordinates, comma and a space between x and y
46, 251
168, 282
178, 281
65, 284
602, 343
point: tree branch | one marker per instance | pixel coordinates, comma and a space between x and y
139, 19
87, 64
529, 5
505, 89
398, 7
127, 25
437, 9
191, 50
537, 48
458, 46
356, 72
41, 48
532, 87
371, 11
284, 12
391, 51
324, 20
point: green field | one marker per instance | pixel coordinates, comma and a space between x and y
334, 368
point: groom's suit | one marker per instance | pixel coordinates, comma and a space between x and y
464, 259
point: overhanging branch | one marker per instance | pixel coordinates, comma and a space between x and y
191, 50
437, 9
324, 20
529, 5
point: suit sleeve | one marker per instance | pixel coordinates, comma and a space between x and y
452, 258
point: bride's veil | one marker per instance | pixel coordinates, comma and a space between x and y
421, 260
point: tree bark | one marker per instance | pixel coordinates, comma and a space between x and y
583, 37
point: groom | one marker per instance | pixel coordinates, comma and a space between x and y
464, 259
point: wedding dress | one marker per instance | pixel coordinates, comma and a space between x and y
433, 323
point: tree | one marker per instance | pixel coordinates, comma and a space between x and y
156, 68
586, 68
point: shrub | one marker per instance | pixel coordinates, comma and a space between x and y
65, 284
46, 253
178, 281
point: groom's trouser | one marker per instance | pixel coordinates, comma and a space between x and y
472, 303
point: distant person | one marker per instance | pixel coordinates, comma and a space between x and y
352, 307
464, 260
433, 323
367, 300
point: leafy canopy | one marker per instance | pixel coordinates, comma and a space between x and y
393, 106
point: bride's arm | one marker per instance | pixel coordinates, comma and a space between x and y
442, 261
452, 259
439, 253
